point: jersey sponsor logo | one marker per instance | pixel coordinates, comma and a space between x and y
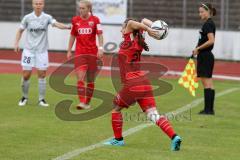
91, 23
37, 30
83, 31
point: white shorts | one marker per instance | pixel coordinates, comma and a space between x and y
37, 60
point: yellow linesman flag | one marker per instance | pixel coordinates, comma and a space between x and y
189, 78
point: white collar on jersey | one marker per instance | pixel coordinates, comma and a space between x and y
36, 15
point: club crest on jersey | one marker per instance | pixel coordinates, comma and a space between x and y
91, 23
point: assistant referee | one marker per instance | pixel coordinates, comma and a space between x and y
205, 57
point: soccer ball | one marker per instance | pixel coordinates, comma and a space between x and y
162, 28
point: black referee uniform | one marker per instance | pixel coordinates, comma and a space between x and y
205, 64
205, 58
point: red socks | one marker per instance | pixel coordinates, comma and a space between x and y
89, 93
85, 94
117, 123
166, 127
81, 91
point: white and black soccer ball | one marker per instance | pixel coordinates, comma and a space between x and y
162, 28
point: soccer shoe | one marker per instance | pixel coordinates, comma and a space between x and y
22, 102
114, 142
81, 106
176, 143
43, 103
203, 112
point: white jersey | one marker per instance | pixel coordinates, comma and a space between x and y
37, 31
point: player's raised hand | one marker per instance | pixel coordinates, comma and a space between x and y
152, 32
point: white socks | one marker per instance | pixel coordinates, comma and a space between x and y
153, 115
42, 88
25, 88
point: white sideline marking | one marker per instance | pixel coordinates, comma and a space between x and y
133, 130
174, 73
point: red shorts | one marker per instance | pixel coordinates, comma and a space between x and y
85, 62
140, 92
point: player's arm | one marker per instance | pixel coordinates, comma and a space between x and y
100, 43
210, 42
99, 32
147, 22
70, 45
133, 25
61, 25
17, 39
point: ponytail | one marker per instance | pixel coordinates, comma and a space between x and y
214, 12
141, 41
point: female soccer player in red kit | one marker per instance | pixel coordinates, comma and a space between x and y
136, 86
84, 29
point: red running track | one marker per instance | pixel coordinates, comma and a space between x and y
226, 68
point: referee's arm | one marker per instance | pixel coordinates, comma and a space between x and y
210, 42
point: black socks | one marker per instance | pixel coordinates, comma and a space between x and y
212, 100
209, 97
119, 139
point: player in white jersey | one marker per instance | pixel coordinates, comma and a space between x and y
35, 53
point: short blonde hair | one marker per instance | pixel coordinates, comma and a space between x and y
35, 0
88, 4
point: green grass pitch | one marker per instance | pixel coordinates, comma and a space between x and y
34, 133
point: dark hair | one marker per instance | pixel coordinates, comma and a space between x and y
209, 7
137, 33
